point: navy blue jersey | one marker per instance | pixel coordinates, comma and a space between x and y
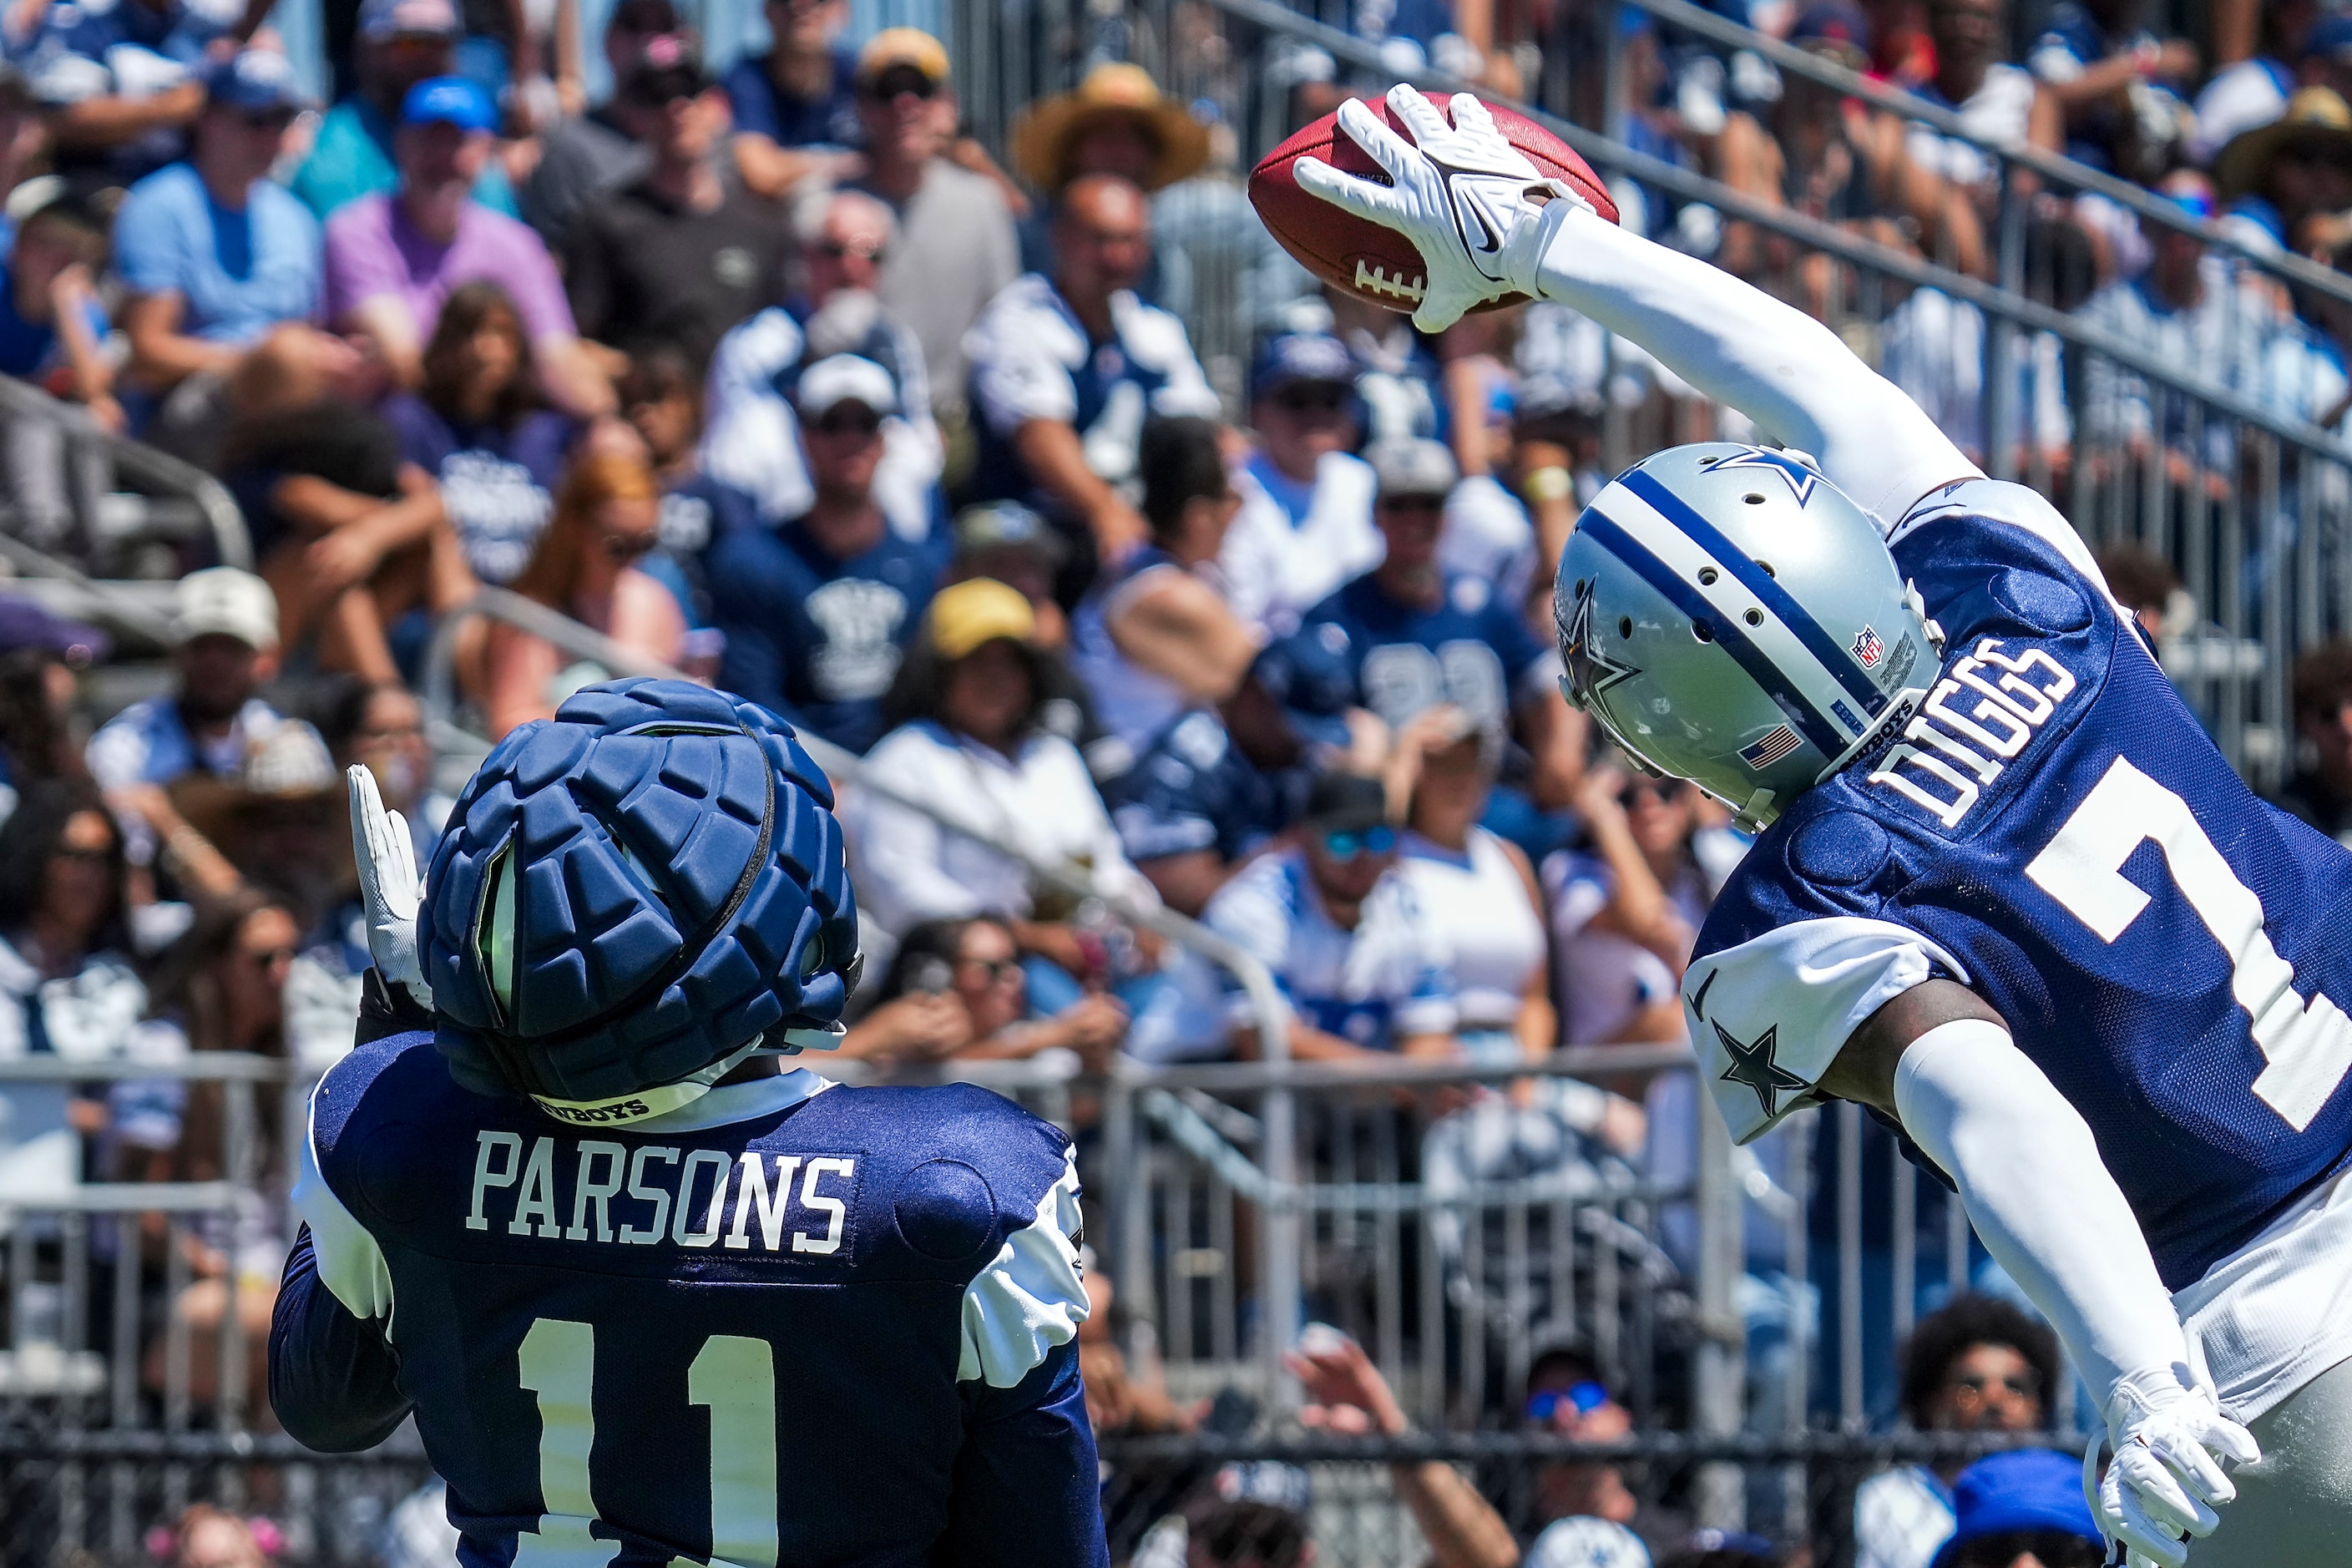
777, 1326
816, 640
1471, 650
2054, 830
1193, 789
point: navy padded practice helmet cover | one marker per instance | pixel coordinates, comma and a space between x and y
630, 845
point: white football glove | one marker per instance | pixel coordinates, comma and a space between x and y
389, 885
2166, 1478
1470, 202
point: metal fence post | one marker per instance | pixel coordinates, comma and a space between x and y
1722, 1371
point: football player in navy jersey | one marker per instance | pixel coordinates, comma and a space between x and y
2006, 894
651, 1291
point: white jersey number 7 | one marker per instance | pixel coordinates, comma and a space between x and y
2309, 1047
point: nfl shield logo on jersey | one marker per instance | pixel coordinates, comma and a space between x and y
1868, 649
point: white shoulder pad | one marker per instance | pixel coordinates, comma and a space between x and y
351, 1264
2001, 500
1768, 1017
1029, 1300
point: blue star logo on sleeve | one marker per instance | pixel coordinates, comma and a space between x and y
1802, 479
1752, 1065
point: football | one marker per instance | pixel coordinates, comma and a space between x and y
1369, 261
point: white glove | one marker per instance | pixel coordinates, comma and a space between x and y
1468, 200
2167, 1478
389, 885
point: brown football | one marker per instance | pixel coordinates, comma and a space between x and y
1369, 261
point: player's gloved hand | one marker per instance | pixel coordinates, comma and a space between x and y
1470, 202
2167, 1478
389, 886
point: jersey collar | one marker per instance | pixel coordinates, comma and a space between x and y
735, 1103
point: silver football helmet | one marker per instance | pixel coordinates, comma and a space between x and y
1731, 617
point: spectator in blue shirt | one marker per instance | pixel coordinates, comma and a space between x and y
401, 44
818, 612
218, 262
1363, 969
795, 106
51, 327
1418, 637
1065, 370
1216, 786
118, 84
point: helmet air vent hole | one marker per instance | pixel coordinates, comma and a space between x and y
1752, 499
1707, 577
1754, 617
1765, 567
1625, 626
1702, 631
1576, 591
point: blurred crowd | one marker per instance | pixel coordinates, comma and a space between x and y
766, 372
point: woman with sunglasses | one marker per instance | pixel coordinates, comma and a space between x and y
66, 987
607, 520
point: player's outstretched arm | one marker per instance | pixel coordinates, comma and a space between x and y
1939, 1060
1027, 1485
1733, 342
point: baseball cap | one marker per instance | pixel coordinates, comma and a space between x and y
380, 19
1344, 801
647, 17
2026, 1488
24, 622
448, 101
1289, 357
1583, 1542
668, 65
983, 610
1005, 525
226, 601
902, 46
1310, 683
255, 80
844, 378
1838, 28
1413, 467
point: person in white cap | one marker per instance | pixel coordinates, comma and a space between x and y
224, 636
819, 608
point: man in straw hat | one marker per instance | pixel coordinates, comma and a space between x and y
2275, 177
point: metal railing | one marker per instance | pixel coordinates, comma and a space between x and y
168, 475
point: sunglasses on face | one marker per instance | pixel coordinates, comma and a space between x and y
1310, 399
993, 971
269, 958
80, 856
836, 250
1347, 842
625, 548
1584, 1399
905, 79
848, 422
266, 120
1426, 506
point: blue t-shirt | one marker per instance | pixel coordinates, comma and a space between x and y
827, 121
1193, 789
498, 486
1471, 650
814, 639
241, 273
2055, 830
29, 348
790, 1323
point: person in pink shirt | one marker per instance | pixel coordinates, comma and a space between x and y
392, 259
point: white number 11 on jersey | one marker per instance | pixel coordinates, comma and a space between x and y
734, 1377
2309, 1047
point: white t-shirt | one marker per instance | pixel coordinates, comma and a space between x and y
1479, 905
1280, 561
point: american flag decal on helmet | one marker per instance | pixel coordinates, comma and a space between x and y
1770, 749
1868, 649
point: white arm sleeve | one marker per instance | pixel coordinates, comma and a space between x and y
2048, 1211
1774, 363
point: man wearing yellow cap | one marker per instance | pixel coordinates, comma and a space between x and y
955, 247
